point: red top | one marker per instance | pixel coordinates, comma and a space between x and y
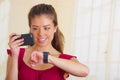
27, 73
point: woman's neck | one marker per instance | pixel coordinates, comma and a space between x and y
49, 49
42, 48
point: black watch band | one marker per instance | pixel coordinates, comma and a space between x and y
45, 57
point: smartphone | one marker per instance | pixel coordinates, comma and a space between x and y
28, 39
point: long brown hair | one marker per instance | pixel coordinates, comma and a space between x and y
40, 9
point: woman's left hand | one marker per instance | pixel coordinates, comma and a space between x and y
36, 58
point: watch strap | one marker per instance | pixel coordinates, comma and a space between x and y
45, 57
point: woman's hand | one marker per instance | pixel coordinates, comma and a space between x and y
36, 58
15, 44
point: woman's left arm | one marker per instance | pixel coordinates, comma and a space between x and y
72, 66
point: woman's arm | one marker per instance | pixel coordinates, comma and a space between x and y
72, 66
12, 68
12, 63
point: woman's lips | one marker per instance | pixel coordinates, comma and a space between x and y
42, 40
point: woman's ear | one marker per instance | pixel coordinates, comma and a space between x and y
55, 29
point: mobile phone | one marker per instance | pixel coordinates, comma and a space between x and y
28, 39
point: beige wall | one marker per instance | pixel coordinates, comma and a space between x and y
66, 15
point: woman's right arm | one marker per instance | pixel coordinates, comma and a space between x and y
12, 63
12, 68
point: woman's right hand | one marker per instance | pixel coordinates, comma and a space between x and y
15, 44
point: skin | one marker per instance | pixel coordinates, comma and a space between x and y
43, 30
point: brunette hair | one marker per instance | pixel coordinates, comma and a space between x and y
47, 9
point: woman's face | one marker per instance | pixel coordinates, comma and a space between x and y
43, 29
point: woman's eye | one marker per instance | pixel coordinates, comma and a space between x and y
46, 28
34, 28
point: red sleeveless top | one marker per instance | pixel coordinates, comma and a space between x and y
27, 73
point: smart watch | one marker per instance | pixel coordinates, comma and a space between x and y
45, 57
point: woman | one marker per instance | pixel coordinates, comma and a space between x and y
45, 59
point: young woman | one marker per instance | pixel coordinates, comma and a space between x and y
44, 60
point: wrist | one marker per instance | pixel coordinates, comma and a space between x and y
14, 58
15, 55
50, 59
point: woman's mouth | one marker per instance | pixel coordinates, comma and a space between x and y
42, 40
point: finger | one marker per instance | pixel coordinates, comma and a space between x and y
11, 35
17, 42
40, 55
34, 57
14, 38
33, 65
33, 54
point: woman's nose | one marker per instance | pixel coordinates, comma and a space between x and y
41, 32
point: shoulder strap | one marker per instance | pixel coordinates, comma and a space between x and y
20, 58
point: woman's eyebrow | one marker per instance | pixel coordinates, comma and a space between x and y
34, 26
46, 25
